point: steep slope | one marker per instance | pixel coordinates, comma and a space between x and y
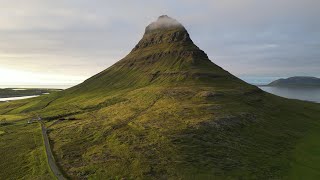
165, 111
165, 55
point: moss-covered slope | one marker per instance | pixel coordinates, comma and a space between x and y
165, 111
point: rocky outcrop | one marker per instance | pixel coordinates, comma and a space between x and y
163, 31
175, 36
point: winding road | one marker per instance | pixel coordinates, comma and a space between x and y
52, 163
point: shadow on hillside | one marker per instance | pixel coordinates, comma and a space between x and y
237, 147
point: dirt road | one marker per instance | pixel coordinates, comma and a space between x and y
52, 163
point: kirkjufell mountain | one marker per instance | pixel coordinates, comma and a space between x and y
166, 111
165, 55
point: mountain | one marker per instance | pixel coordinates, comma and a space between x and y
165, 111
165, 55
298, 81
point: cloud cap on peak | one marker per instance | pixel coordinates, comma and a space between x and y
164, 22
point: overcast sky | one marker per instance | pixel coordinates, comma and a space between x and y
67, 41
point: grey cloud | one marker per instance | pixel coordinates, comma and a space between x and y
245, 37
163, 22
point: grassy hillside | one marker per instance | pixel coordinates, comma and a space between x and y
166, 111
22, 152
160, 132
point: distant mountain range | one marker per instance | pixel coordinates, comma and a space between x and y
297, 81
16, 92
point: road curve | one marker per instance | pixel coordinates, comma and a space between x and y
52, 163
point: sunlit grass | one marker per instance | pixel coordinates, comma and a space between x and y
164, 112
22, 152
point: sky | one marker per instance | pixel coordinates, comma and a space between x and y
45, 42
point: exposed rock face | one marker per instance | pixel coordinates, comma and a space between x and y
166, 38
164, 31
158, 38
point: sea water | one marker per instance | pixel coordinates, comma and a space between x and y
301, 93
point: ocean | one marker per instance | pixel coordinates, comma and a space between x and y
301, 93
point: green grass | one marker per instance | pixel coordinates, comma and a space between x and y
22, 152
166, 112
14, 117
169, 131
166, 132
306, 160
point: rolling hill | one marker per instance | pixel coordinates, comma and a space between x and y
165, 111
297, 81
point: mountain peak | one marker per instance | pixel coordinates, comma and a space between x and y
165, 54
164, 22
165, 30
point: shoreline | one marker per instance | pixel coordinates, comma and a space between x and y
17, 98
